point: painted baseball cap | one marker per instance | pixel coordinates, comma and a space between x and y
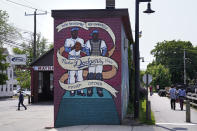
75, 29
94, 32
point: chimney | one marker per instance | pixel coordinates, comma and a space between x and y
110, 4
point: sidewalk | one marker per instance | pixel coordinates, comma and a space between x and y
163, 113
35, 118
171, 120
39, 116
126, 128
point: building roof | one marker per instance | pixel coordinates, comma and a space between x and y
97, 13
44, 60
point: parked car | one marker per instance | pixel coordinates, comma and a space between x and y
162, 92
16, 92
191, 88
25, 92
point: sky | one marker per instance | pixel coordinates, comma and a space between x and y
172, 20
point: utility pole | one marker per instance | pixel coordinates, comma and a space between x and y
137, 63
184, 67
34, 45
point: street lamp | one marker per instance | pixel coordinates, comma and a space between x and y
136, 48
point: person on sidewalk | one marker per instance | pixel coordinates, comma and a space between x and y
21, 99
151, 90
182, 95
173, 97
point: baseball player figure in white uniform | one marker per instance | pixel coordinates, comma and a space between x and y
74, 54
95, 47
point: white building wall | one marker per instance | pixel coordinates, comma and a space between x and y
6, 90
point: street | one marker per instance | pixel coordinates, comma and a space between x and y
36, 117
39, 117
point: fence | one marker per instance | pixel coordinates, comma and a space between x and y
193, 98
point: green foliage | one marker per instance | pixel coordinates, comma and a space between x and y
142, 114
41, 43
18, 51
161, 75
23, 78
7, 32
131, 79
3, 67
170, 54
4, 27
42, 47
51, 46
130, 108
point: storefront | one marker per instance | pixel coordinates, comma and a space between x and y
42, 78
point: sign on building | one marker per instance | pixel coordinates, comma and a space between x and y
18, 59
43, 68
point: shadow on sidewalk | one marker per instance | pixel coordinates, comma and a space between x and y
45, 103
173, 129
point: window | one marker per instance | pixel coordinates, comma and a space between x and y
1, 87
40, 82
10, 74
51, 81
10, 87
14, 87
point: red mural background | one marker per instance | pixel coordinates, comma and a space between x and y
59, 40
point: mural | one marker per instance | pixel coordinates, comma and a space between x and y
84, 61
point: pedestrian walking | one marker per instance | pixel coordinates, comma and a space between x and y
157, 88
173, 97
151, 90
21, 99
182, 95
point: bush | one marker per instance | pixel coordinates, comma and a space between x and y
143, 93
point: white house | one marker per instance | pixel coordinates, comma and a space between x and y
11, 84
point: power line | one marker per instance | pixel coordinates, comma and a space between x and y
27, 2
30, 7
34, 45
13, 43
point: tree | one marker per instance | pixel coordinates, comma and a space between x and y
23, 77
170, 54
161, 75
51, 46
3, 67
7, 32
41, 44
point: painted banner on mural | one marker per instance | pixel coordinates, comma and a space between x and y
86, 26
89, 83
84, 62
77, 67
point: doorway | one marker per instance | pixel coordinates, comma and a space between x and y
45, 86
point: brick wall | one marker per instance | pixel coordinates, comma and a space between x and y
59, 39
